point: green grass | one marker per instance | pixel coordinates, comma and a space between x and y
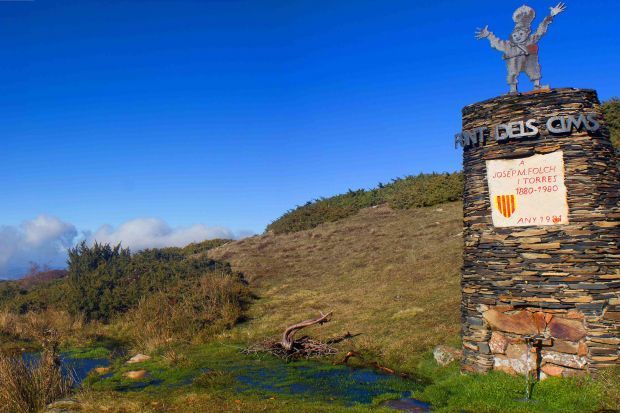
452, 391
209, 374
87, 353
217, 389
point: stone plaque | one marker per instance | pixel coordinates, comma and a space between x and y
528, 191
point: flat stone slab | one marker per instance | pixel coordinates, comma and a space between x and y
408, 405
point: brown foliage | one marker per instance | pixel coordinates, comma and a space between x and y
29, 386
187, 312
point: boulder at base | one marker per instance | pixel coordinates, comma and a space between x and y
445, 355
138, 358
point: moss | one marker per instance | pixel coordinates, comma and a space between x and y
87, 353
215, 379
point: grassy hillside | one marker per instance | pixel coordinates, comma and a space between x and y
389, 275
403, 193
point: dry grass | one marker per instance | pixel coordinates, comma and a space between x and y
33, 325
391, 276
185, 313
28, 387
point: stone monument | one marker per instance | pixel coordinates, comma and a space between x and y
541, 273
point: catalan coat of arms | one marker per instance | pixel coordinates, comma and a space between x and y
506, 204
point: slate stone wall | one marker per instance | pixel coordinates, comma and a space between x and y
562, 281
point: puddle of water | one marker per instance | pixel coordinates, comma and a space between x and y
408, 405
316, 381
77, 367
334, 383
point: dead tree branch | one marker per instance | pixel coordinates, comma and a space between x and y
288, 339
288, 348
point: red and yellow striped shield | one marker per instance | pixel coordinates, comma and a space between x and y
506, 204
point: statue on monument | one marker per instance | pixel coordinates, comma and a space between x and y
521, 51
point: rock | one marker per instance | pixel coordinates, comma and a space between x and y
562, 346
575, 315
612, 315
408, 405
513, 365
540, 320
534, 256
521, 322
63, 406
498, 343
516, 351
135, 374
572, 373
138, 358
567, 360
102, 370
505, 368
564, 329
445, 355
579, 299
552, 370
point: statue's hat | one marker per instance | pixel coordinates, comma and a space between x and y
524, 16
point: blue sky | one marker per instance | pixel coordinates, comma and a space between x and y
173, 114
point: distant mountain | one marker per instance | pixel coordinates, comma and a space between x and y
40, 277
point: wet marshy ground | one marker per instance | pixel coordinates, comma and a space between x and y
224, 369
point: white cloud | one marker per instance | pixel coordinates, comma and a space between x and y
43, 240
144, 233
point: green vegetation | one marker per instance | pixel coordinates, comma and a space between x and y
611, 110
20, 300
105, 281
403, 193
106, 272
452, 391
116, 298
217, 376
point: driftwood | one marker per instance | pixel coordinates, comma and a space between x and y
288, 337
305, 347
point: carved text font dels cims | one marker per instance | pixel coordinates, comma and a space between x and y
524, 129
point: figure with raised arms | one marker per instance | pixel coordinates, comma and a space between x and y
521, 51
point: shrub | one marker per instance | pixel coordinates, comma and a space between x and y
611, 110
402, 193
190, 310
106, 281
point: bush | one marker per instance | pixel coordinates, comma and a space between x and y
403, 193
106, 281
190, 310
611, 110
